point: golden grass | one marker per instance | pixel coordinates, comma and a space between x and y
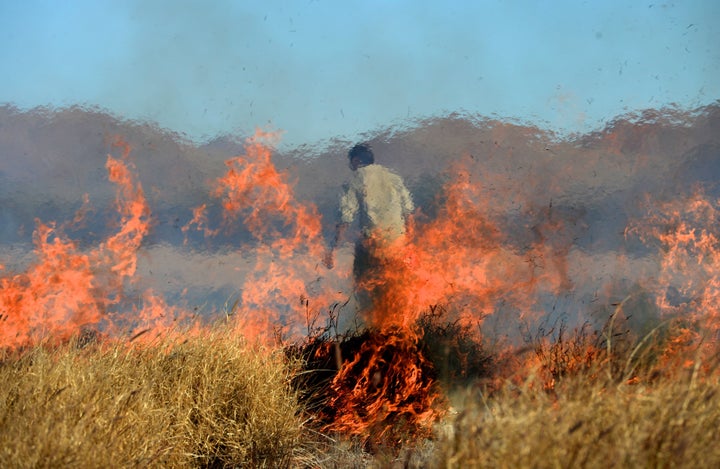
216, 401
210, 401
588, 422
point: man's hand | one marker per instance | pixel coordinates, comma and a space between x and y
328, 259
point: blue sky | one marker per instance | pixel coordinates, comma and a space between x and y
319, 69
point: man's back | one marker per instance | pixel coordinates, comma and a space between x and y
380, 198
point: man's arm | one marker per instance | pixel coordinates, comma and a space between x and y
406, 200
329, 258
349, 206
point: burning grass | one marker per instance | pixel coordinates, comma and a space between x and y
565, 398
385, 387
594, 398
376, 386
216, 400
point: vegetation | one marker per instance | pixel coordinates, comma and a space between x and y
210, 401
587, 423
568, 399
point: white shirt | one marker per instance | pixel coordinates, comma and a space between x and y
381, 198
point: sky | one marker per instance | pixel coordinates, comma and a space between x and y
318, 70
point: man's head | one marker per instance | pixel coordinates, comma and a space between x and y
360, 155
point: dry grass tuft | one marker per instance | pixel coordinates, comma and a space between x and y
207, 402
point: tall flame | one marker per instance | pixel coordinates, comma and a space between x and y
687, 287
461, 258
275, 295
67, 289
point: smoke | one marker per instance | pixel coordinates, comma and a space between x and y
577, 197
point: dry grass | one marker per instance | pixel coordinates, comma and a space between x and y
207, 402
589, 420
594, 399
215, 401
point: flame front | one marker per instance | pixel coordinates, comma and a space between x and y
385, 391
274, 295
687, 287
68, 289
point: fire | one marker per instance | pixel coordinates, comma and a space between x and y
254, 189
687, 288
200, 221
56, 297
66, 289
383, 382
385, 379
274, 298
388, 383
461, 258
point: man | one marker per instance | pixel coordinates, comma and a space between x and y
379, 199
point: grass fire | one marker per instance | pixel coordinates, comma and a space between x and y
500, 325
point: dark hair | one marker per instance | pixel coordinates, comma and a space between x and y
363, 153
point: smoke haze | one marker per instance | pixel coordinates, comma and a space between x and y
578, 196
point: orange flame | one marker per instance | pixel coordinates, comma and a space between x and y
461, 258
388, 382
67, 289
458, 258
687, 289
254, 188
275, 294
200, 221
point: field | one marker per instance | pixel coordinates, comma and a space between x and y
216, 400
497, 337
